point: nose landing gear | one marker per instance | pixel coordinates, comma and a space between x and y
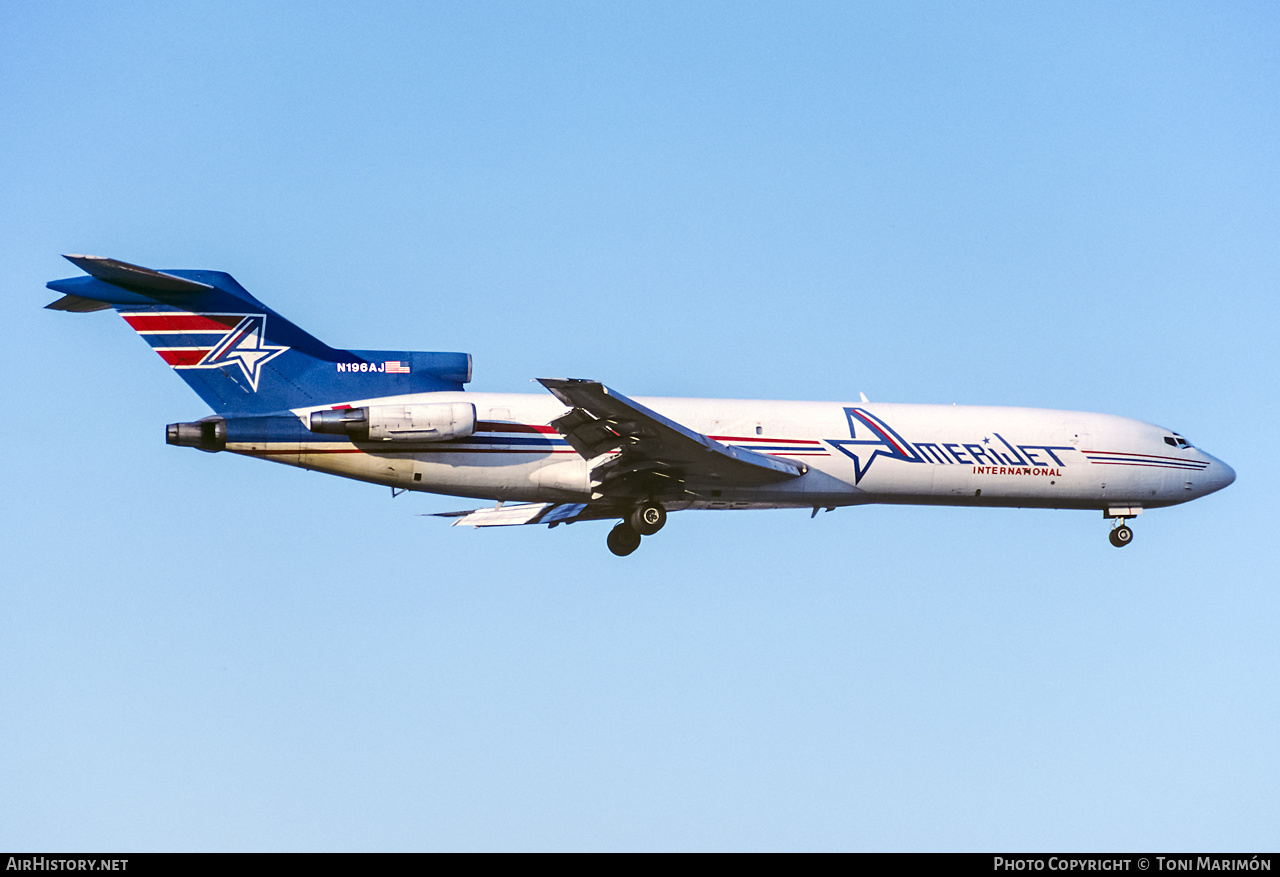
1121, 536
646, 520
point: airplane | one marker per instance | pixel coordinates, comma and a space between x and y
583, 451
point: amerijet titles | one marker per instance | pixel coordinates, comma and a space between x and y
987, 457
1013, 470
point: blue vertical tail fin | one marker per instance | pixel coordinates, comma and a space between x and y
240, 356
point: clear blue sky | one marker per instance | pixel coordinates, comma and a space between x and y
1062, 205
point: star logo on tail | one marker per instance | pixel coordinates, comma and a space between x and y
244, 346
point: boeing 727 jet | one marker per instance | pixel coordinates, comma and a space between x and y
583, 451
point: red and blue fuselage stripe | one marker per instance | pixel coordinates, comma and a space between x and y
1125, 458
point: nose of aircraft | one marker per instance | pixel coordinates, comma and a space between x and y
1219, 475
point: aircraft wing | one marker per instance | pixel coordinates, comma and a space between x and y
633, 451
551, 513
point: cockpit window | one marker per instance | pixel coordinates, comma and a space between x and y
1177, 441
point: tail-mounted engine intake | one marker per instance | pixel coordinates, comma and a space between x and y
399, 423
207, 435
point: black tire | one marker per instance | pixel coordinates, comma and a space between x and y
648, 518
623, 539
1121, 536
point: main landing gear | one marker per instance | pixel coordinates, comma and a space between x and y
623, 539
646, 520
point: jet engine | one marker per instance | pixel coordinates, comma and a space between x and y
435, 422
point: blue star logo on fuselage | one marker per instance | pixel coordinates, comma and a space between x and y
882, 441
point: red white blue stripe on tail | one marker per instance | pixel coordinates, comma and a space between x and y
189, 340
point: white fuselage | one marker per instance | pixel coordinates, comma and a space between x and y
856, 453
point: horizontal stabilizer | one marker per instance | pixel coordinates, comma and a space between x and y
77, 304
134, 276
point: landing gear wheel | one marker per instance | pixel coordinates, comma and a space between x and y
1121, 536
623, 539
648, 518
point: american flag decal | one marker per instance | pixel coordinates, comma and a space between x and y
395, 367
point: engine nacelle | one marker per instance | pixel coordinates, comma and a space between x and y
422, 423
434, 422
